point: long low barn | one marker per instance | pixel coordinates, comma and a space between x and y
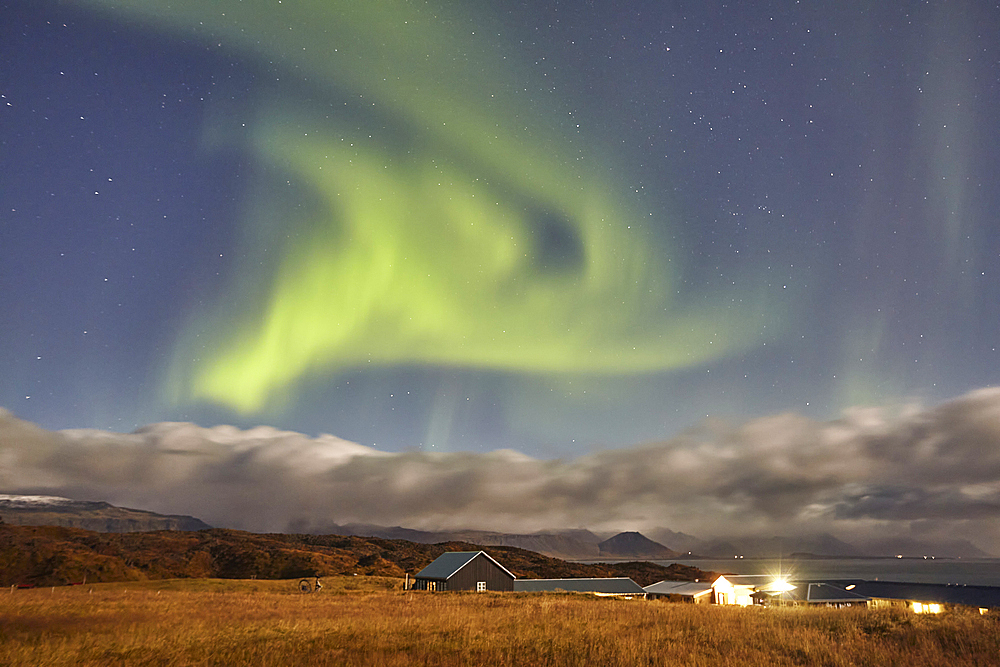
923, 597
608, 586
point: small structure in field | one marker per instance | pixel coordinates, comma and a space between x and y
464, 571
622, 587
697, 592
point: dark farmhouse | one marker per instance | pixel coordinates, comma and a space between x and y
464, 571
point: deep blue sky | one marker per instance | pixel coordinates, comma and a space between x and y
832, 168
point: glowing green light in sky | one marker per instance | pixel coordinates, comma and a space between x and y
474, 237
426, 263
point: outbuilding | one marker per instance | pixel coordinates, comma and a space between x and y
698, 592
464, 571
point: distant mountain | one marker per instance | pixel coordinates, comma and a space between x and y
778, 546
572, 544
682, 543
914, 548
633, 545
658, 543
89, 515
755, 547
575, 544
820, 545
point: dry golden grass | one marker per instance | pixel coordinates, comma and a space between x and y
370, 621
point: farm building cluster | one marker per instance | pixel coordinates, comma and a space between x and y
478, 571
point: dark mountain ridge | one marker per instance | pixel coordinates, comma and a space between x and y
53, 555
89, 515
634, 545
572, 544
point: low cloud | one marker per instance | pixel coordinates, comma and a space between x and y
931, 473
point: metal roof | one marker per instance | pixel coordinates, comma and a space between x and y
746, 579
823, 592
816, 592
448, 563
692, 588
607, 585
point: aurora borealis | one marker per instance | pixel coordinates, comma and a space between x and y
438, 236
469, 226
418, 260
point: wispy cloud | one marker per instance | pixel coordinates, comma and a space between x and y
932, 473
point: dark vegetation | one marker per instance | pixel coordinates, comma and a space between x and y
53, 556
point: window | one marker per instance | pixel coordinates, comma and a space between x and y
480, 586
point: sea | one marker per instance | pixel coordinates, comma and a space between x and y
969, 572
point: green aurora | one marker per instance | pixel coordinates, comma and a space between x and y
459, 225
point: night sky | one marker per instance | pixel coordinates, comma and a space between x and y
555, 227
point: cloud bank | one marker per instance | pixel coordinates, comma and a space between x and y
931, 473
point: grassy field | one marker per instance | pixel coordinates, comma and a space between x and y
371, 621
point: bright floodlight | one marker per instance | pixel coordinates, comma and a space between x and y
780, 586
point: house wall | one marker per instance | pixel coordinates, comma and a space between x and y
479, 569
427, 585
726, 593
886, 603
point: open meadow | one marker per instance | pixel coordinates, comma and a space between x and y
371, 621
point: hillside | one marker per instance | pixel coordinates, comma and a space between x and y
52, 555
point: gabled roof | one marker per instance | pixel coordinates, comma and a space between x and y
447, 564
691, 588
606, 585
